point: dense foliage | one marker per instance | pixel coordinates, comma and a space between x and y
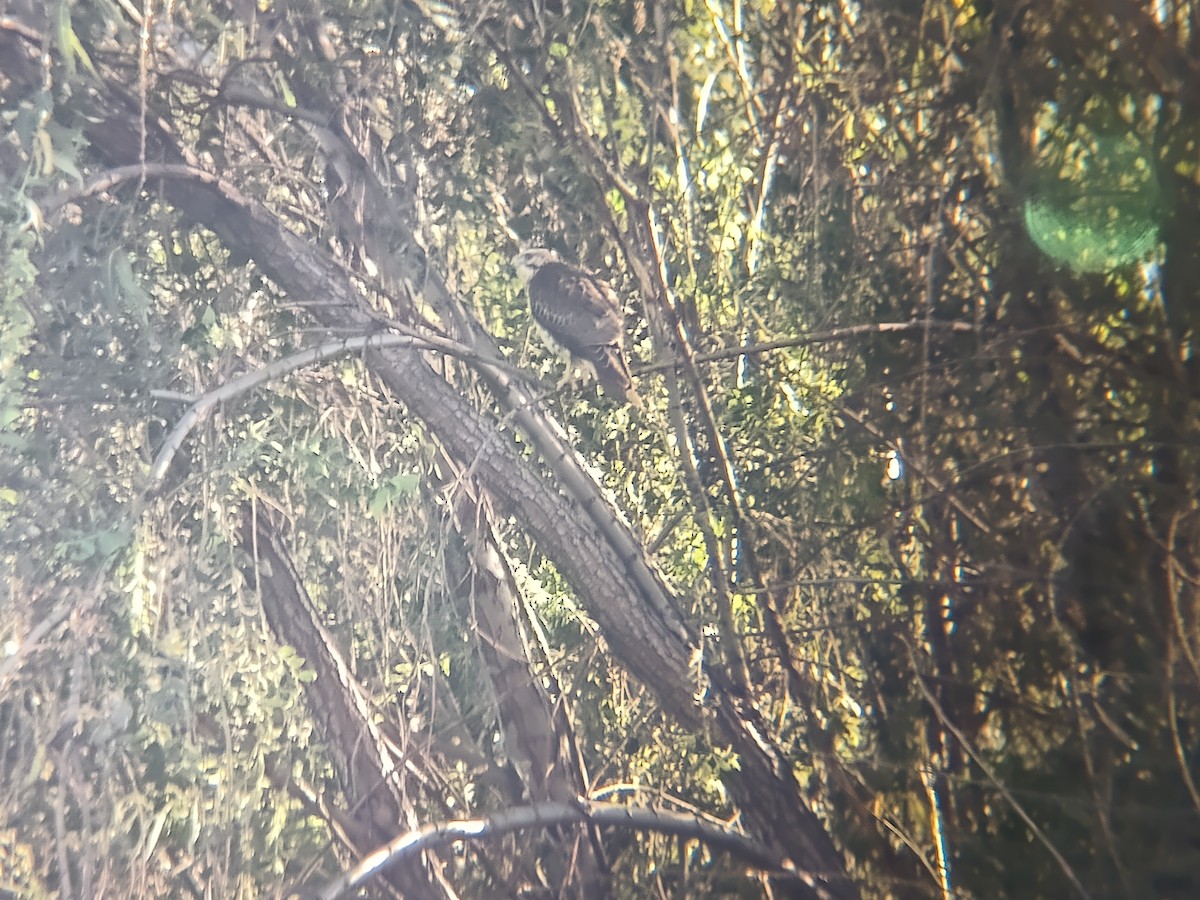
904, 547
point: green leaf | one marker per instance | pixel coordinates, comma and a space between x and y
69, 43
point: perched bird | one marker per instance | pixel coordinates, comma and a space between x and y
579, 316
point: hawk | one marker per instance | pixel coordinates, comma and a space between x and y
579, 316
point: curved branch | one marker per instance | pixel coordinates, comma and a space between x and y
118, 174
320, 353
546, 815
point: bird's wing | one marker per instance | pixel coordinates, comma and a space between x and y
581, 315
578, 310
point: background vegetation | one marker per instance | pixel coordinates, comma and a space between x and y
895, 580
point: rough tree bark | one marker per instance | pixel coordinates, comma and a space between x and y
369, 762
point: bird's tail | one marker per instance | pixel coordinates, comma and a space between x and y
613, 374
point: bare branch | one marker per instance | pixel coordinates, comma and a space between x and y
820, 337
995, 780
545, 815
112, 177
317, 354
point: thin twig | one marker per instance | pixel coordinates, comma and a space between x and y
819, 337
997, 783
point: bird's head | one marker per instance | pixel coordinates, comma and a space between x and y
527, 262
